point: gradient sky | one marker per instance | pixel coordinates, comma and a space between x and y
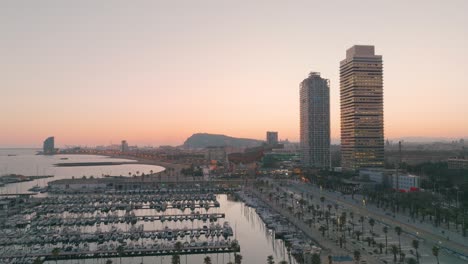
154, 72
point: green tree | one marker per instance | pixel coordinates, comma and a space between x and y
415, 244
435, 252
120, 251
237, 258
56, 253
372, 223
316, 259
385, 230
270, 260
357, 256
207, 260
398, 231
394, 250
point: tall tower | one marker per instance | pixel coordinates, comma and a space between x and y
362, 120
315, 121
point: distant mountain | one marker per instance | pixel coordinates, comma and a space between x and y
203, 140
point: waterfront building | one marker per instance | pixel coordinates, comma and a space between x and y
361, 100
405, 182
272, 138
457, 163
49, 146
124, 146
315, 121
216, 153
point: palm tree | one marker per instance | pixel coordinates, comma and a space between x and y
398, 231
415, 244
394, 250
237, 258
270, 260
207, 260
361, 219
38, 261
175, 259
358, 234
120, 250
372, 223
357, 256
381, 246
316, 258
322, 199
322, 229
435, 252
55, 253
385, 230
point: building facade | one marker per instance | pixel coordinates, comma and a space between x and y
124, 146
315, 121
49, 146
216, 153
457, 163
272, 138
361, 103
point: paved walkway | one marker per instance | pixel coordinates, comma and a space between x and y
329, 247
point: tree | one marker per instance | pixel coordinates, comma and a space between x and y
398, 231
322, 199
175, 259
56, 253
381, 246
372, 223
435, 252
394, 250
385, 230
358, 234
38, 261
207, 260
361, 219
270, 260
322, 229
120, 250
415, 244
237, 258
316, 259
357, 256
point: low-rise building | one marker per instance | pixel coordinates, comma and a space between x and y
458, 163
406, 182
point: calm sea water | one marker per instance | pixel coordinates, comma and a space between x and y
256, 241
26, 162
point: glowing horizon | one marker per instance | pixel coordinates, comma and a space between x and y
154, 74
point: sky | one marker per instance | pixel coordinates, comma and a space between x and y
155, 72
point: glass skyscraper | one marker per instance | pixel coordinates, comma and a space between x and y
362, 120
315, 121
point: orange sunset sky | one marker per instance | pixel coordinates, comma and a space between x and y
96, 72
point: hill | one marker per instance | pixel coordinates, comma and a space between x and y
203, 140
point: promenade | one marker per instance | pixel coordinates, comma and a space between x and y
329, 247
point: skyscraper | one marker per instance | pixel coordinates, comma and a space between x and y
49, 146
315, 121
361, 95
272, 138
